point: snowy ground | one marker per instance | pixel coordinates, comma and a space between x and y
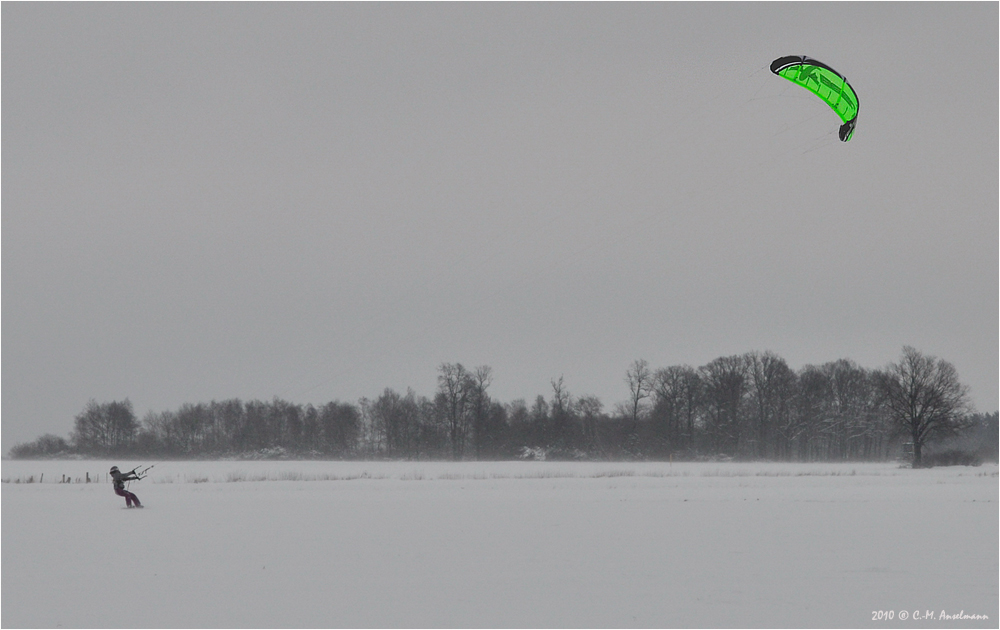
511, 544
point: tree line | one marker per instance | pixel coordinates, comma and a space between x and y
748, 406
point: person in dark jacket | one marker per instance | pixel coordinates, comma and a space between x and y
119, 480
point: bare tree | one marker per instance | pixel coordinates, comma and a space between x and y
772, 390
589, 410
562, 414
639, 379
539, 422
924, 397
726, 386
105, 428
192, 425
479, 381
676, 391
391, 420
851, 424
454, 389
341, 427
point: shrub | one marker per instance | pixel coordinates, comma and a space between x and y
46, 446
953, 457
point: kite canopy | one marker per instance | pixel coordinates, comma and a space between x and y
824, 82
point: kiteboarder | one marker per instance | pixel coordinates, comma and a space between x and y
119, 481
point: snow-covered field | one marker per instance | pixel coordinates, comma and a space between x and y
511, 544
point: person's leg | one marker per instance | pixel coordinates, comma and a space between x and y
128, 496
135, 499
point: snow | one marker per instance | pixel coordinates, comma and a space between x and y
505, 544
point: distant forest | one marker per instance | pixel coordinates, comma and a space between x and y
746, 407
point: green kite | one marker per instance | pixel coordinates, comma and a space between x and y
824, 82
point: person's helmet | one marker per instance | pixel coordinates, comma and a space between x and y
114, 469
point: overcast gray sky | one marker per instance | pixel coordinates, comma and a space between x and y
317, 201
